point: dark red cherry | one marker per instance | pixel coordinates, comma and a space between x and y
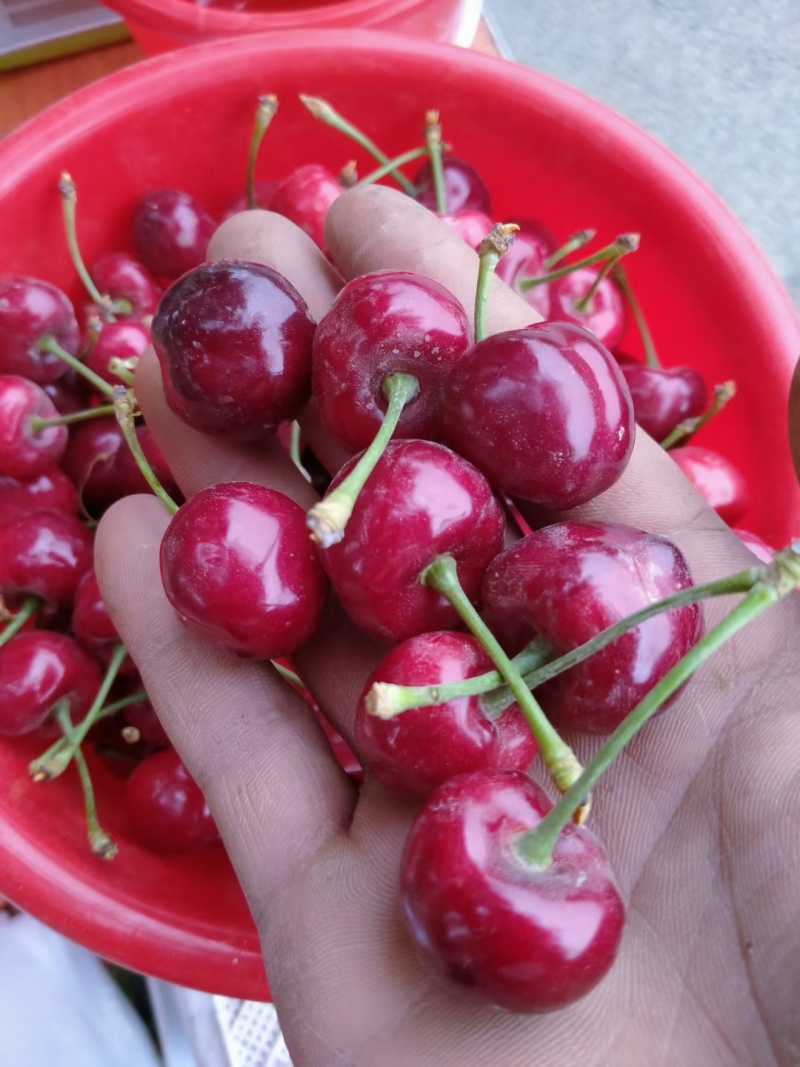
117, 340
52, 489
234, 342
92, 625
37, 670
606, 316
45, 554
420, 502
664, 397
30, 311
171, 231
569, 581
69, 393
525, 259
418, 749
525, 938
716, 479
102, 466
464, 188
544, 412
25, 451
142, 716
164, 807
239, 568
305, 197
381, 324
122, 277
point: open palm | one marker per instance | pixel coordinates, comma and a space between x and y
699, 817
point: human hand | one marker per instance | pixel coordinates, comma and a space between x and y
698, 816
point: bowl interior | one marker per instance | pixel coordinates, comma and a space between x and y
183, 121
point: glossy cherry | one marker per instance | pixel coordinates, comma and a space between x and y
25, 451
234, 342
544, 412
471, 226
525, 259
171, 231
569, 581
165, 809
716, 479
606, 314
102, 466
421, 501
239, 568
117, 340
52, 489
381, 324
30, 311
68, 393
527, 938
38, 669
45, 554
305, 196
122, 277
464, 188
417, 750
664, 397
92, 625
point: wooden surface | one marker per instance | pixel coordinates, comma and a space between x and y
25, 92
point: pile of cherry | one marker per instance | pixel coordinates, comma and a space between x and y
452, 427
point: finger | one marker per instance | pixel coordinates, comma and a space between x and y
249, 741
376, 227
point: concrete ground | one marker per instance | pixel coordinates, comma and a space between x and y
718, 81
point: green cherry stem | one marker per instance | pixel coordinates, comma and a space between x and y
49, 344
650, 355
559, 758
572, 244
323, 111
125, 410
123, 369
57, 758
689, 427
391, 699
265, 112
69, 198
626, 242
783, 574
37, 425
328, 518
385, 699
632, 241
295, 451
399, 161
99, 841
29, 607
490, 251
433, 140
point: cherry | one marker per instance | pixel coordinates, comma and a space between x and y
264, 192
415, 751
102, 467
37, 670
381, 324
46, 554
68, 393
421, 501
471, 226
25, 451
525, 259
234, 342
662, 398
716, 479
528, 938
171, 231
117, 340
52, 489
92, 625
165, 808
238, 568
569, 581
544, 412
305, 197
31, 310
463, 187
142, 717
605, 316
122, 277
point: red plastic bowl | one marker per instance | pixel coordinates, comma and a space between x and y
182, 120
161, 25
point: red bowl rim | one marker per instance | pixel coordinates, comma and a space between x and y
28, 875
